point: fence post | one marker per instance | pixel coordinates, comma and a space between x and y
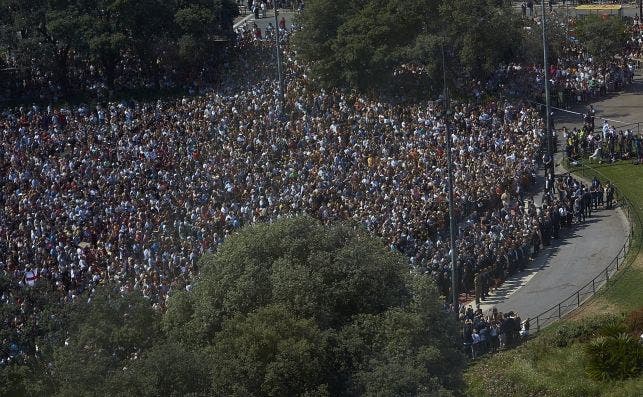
578, 298
593, 286
607, 275
537, 323
619, 254
559, 311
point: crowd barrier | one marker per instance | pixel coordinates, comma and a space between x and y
635, 127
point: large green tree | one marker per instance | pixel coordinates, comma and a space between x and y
44, 34
532, 42
360, 44
270, 352
112, 345
289, 308
603, 38
298, 308
105, 335
57, 35
328, 274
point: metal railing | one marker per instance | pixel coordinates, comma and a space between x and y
634, 127
621, 260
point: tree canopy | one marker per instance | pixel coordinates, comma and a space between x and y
298, 308
362, 43
290, 308
60, 38
603, 38
532, 43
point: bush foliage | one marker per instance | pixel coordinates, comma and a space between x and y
614, 357
590, 357
291, 308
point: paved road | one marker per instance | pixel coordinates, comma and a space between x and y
584, 250
575, 259
263, 22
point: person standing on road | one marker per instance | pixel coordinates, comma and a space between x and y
587, 203
592, 117
609, 195
255, 10
597, 193
578, 210
606, 130
555, 220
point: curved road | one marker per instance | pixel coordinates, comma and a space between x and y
562, 268
583, 250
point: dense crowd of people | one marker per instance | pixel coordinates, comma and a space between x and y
572, 79
605, 144
134, 193
571, 202
575, 77
487, 333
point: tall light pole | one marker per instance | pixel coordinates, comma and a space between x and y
550, 151
566, 20
447, 114
279, 73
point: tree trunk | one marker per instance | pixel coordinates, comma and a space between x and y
109, 68
61, 70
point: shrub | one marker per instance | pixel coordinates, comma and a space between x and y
612, 358
613, 329
634, 321
568, 332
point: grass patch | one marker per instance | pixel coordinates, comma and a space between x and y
555, 362
623, 293
541, 367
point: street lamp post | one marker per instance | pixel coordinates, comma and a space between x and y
447, 114
550, 152
279, 72
566, 20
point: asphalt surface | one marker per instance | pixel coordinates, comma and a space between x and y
262, 23
572, 261
585, 249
